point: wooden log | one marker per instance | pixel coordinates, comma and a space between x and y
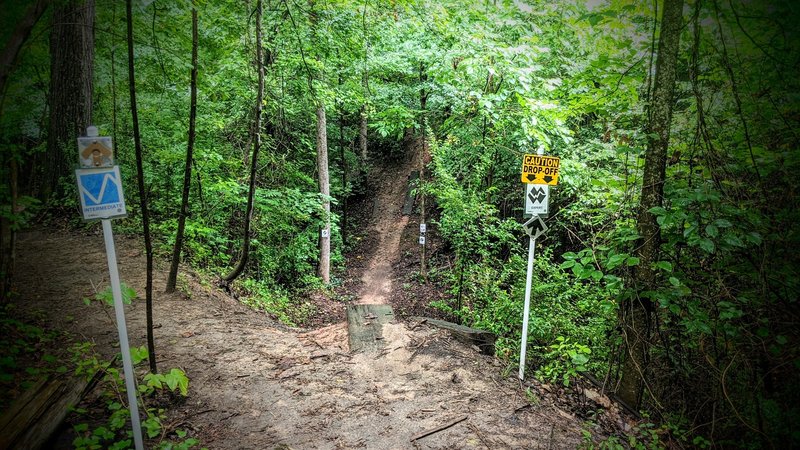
364, 326
38, 412
484, 340
408, 206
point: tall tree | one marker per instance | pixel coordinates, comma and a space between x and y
256, 149
187, 171
325, 191
8, 232
362, 118
137, 140
637, 310
21, 33
71, 72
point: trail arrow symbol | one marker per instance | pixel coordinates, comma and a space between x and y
547, 178
535, 227
531, 177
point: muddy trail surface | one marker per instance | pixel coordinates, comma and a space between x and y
256, 384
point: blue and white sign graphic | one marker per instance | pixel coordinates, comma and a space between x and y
100, 191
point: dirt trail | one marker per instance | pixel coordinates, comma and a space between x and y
258, 385
387, 224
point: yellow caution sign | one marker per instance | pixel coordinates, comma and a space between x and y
538, 169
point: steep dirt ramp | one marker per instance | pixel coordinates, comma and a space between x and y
387, 225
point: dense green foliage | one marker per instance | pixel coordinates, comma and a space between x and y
502, 79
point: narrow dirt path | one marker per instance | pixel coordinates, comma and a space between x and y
258, 385
387, 224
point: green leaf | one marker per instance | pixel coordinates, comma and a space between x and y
566, 264
707, 245
632, 261
663, 265
674, 281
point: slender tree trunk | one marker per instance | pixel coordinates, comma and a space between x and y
362, 123
248, 218
8, 233
636, 312
137, 140
344, 168
325, 190
18, 38
423, 101
187, 171
362, 133
71, 72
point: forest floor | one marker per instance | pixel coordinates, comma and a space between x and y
256, 384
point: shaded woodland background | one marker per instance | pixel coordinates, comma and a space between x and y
672, 241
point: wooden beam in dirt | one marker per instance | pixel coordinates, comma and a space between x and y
38, 412
365, 324
484, 340
408, 206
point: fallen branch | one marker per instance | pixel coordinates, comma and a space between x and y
439, 428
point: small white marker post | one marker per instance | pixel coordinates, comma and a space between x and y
101, 197
527, 308
127, 363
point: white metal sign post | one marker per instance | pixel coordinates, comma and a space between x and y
101, 196
537, 198
535, 227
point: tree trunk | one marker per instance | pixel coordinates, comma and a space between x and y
21, 33
344, 168
248, 217
423, 101
137, 140
362, 133
187, 170
636, 311
71, 72
8, 233
325, 190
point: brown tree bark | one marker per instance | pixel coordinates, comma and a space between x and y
172, 278
325, 190
137, 141
8, 232
248, 218
636, 312
18, 38
71, 72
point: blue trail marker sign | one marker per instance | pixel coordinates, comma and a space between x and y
100, 191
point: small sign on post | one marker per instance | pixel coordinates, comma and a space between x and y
538, 173
94, 150
100, 192
538, 169
101, 197
537, 198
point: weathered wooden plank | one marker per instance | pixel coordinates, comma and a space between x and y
484, 340
364, 326
38, 412
408, 206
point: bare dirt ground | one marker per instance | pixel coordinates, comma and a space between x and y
258, 385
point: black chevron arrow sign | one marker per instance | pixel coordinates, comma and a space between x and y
535, 227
